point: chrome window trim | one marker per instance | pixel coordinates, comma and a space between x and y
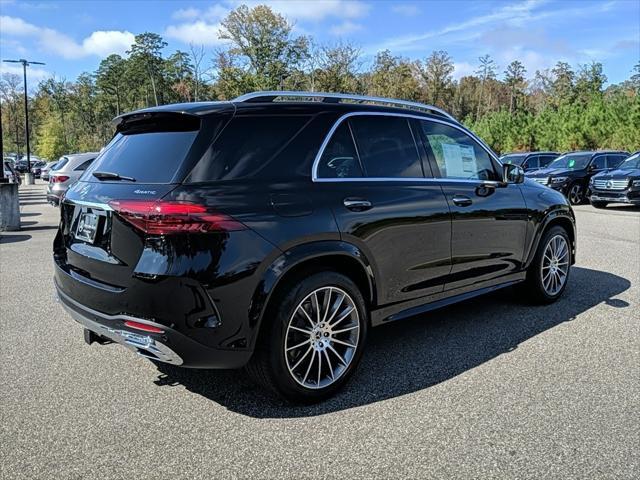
327, 139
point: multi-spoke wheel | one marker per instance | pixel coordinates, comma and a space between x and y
555, 264
575, 194
314, 339
548, 273
322, 337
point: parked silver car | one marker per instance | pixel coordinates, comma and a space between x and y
44, 172
66, 172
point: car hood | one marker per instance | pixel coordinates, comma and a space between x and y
546, 172
618, 174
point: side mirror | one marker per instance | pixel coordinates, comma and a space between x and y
512, 173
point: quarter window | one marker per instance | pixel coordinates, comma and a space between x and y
83, 166
386, 147
456, 154
340, 159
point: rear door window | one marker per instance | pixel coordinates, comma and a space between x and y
386, 147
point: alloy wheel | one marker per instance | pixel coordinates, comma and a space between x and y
555, 265
322, 337
575, 194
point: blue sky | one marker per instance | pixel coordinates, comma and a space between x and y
72, 36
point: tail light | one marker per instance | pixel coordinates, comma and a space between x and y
168, 217
58, 178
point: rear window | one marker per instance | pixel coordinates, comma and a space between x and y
149, 147
63, 161
248, 147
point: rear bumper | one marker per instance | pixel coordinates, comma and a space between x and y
170, 346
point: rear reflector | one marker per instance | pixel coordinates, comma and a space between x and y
164, 217
143, 326
58, 179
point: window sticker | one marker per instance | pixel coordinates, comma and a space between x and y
571, 163
460, 160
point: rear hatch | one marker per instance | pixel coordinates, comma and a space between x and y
114, 218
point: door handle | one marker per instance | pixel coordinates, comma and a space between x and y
357, 204
462, 200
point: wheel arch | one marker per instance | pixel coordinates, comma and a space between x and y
338, 256
562, 218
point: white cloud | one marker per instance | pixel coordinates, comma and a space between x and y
317, 10
186, 14
199, 33
214, 12
34, 74
462, 69
406, 9
100, 43
104, 43
345, 28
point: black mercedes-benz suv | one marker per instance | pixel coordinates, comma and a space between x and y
274, 230
620, 185
570, 173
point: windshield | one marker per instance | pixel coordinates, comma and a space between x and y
572, 161
630, 163
514, 158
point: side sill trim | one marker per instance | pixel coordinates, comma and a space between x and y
428, 306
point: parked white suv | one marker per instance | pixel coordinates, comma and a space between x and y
66, 172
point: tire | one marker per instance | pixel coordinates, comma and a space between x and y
302, 359
575, 194
599, 204
535, 288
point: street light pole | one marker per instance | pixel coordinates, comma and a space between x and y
26, 63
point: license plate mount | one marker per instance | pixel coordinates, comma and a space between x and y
87, 227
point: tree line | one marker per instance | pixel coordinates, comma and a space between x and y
558, 109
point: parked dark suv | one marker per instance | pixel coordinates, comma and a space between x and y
274, 230
530, 161
621, 185
570, 173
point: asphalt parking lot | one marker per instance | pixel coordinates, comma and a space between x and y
489, 388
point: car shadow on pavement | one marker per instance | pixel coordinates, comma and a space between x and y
415, 354
11, 238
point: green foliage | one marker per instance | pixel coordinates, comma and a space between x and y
561, 109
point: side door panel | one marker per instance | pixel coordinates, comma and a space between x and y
371, 172
488, 236
488, 221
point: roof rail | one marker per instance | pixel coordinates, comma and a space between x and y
270, 96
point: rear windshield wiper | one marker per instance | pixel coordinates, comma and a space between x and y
112, 176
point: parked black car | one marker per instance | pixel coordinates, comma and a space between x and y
530, 161
36, 168
273, 231
620, 185
570, 173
